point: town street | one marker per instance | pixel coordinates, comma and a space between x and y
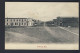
62, 34
43, 34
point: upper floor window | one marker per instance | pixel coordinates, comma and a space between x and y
7, 19
22, 20
17, 19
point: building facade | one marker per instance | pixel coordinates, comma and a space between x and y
18, 22
55, 22
67, 21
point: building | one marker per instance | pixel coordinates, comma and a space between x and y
67, 21
49, 23
55, 22
38, 23
30, 22
11, 22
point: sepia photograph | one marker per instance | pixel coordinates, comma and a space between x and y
41, 26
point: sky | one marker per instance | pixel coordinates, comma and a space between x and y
43, 11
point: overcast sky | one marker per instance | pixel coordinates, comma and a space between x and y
41, 10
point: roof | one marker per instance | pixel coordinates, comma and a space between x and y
18, 18
67, 17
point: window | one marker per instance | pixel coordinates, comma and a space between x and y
7, 23
22, 23
22, 20
15, 23
7, 19
17, 19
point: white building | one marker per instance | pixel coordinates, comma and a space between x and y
19, 22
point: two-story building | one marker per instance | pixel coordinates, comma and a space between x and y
18, 22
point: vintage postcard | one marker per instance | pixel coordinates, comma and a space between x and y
41, 26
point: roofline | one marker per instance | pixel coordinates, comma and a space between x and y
68, 17
18, 18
